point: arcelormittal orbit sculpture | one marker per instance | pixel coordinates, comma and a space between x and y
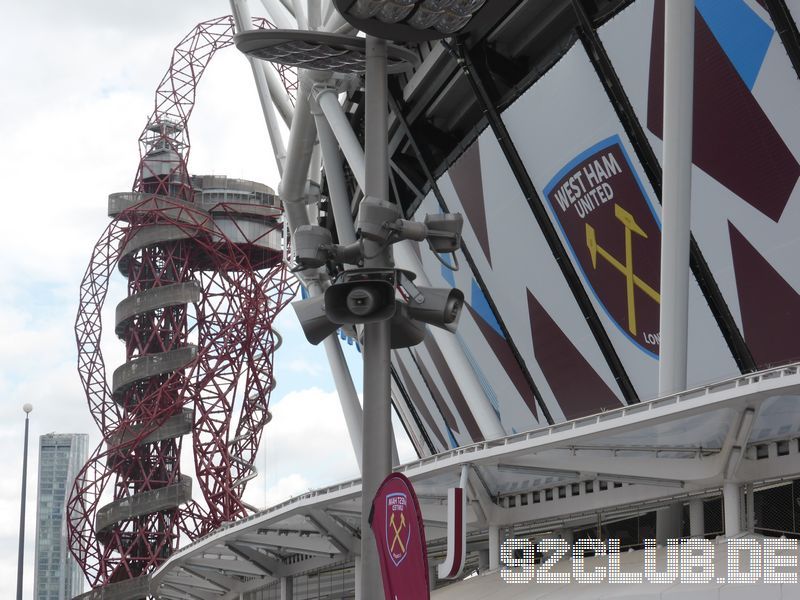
205, 279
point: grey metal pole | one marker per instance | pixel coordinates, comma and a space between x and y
677, 194
21, 552
376, 456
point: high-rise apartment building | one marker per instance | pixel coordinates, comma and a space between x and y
57, 575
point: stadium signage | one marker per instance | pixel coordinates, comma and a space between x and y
614, 235
396, 521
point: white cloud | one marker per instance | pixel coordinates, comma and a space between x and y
287, 487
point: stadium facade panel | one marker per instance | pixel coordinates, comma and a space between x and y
578, 178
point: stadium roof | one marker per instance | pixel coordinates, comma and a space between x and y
633, 459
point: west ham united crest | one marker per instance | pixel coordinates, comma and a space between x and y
398, 528
614, 234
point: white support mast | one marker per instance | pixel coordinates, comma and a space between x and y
243, 22
677, 193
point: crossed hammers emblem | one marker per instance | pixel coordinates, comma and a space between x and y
631, 279
397, 530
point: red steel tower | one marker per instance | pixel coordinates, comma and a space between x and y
203, 259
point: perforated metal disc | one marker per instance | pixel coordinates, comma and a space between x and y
318, 51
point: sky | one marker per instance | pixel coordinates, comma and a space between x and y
76, 86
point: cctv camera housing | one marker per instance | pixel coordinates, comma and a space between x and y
361, 301
311, 244
439, 307
372, 215
315, 323
444, 232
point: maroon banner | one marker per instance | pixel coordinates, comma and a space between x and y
396, 521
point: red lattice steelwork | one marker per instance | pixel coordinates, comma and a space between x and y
204, 287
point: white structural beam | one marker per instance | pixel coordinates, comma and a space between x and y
337, 535
697, 519
346, 390
328, 99
478, 402
299, 12
278, 93
279, 14
336, 23
287, 588
677, 194
334, 173
243, 22
732, 508
314, 14
494, 547
294, 182
487, 419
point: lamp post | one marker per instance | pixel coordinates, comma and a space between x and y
374, 58
401, 20
21, 553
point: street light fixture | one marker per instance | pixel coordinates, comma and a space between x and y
410, 20
375, 59
318, 51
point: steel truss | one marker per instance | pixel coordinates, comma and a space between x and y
198, 350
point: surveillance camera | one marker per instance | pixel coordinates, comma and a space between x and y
444, 232
439, 307
312, 245
373, 217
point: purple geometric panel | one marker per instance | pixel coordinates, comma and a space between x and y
465, 174
419, 403
447, 415
734, 140
453, 389
769, 306
579, 390
504, 354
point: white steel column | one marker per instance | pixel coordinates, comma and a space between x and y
329, 103
243, 22
287, 588
302, 136
279, 15
750, 513
668, 523
337, 187
494, 547
278, 92
732, 508
697, 519
377, 433
300, 14
314, 14
474, 394
343, 380
677, 193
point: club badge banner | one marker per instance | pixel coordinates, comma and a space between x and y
396, 521
614, 234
